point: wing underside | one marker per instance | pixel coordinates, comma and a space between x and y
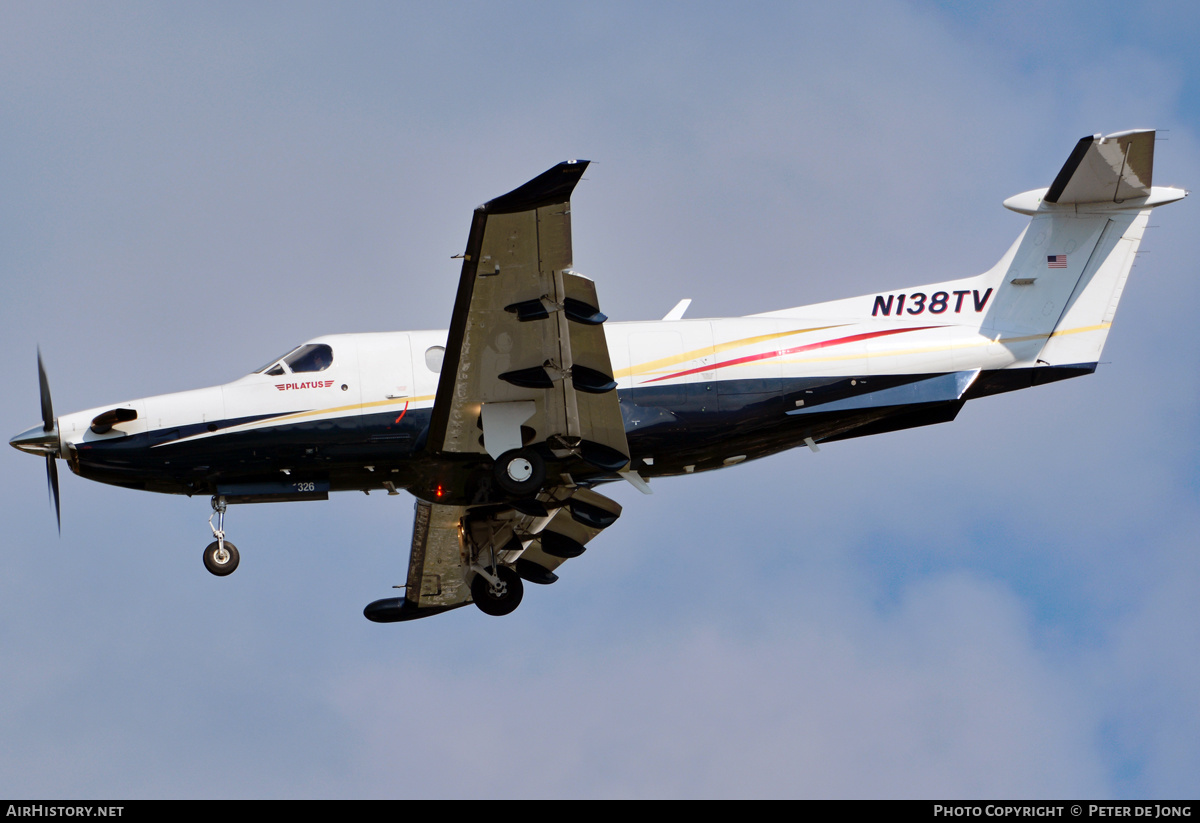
526, 342
452, 544
527, 384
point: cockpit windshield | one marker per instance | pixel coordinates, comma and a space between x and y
263, 369
313, 357
307, 358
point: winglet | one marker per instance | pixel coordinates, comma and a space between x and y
549, 187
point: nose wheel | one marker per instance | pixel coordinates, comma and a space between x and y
220, 556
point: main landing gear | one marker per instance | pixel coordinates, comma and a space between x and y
520, 472
220, 557
497, 592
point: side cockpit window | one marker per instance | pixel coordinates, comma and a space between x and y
307, 358
313, 357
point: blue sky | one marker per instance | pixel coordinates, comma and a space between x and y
1003, 606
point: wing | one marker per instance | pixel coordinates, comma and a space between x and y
526, 359
453, 544
526, 415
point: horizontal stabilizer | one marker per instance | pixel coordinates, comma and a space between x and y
1106, 169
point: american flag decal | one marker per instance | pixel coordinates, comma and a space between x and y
1056, 261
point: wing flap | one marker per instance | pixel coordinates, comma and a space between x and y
594, 417
582, 515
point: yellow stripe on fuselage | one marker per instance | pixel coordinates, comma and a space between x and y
391, 401
272, 421
654, 366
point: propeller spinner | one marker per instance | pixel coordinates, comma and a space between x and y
44, 440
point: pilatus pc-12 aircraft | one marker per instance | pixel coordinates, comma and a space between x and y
505, 426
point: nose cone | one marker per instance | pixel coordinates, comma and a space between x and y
36, 441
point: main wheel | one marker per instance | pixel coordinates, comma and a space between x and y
520, 472
498, 600
220, 562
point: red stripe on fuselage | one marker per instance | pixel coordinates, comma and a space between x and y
750, 358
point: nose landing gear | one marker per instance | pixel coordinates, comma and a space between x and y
220, 557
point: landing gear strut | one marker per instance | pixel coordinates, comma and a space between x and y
220, 557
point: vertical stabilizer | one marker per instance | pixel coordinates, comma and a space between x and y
1051, 298
1059, 294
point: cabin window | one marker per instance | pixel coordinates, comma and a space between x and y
433, 358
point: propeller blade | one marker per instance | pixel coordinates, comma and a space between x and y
49, 424
44, 386
52, 482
